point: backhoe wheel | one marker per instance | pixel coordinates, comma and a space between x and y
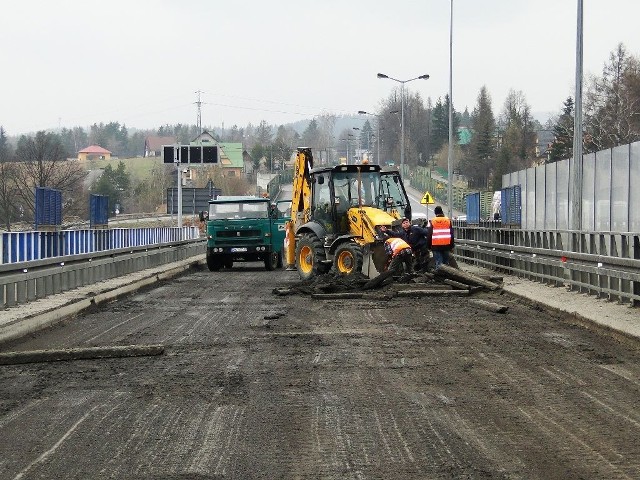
348, 259
309, 256
271, 261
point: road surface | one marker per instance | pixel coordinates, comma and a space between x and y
256, 385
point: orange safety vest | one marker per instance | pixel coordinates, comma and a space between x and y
397, 245
441, 236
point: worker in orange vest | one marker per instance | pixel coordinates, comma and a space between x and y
441, 237
399, 253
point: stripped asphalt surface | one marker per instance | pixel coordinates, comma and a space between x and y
256, 385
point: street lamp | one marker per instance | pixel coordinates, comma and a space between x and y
349, 137
362, 112
355, 151
402, 82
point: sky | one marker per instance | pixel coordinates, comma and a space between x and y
68, 63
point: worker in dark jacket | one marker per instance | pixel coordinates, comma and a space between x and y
441, 237
416, 237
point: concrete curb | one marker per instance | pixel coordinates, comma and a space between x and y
49, 311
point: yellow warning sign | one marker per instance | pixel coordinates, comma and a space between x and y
427, 199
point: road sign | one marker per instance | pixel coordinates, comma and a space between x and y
427, 199
190, 154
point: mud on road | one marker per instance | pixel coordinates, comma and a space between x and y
257, 385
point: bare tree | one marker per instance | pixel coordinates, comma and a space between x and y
517, 128
43, 163
612, 103
9, 208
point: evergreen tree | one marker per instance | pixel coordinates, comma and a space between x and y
263, 133
479, 160
439, 125
258, 152
465, 118
311, 134
114, 184
562, 146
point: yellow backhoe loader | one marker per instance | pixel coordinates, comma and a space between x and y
336, 215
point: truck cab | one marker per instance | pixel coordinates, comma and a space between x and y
245, 229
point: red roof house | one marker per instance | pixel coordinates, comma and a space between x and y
94, 152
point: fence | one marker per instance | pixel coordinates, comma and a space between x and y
609, 203
598, 263
35, 280
421, 179
37, 245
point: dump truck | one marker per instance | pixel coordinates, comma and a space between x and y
336, 215
245, 229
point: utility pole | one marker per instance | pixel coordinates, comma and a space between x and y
450, 154
199, 104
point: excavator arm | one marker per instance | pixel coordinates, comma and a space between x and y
300, 200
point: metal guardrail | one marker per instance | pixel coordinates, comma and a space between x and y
38, 279
603, 264
36, 245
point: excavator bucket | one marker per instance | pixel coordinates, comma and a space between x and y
374, 260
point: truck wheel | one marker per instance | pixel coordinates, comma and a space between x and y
271, 261
214, 263
348, 259
228, 263
309, 256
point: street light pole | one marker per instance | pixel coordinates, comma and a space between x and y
355, 150
362, 112
450, 156
402, 82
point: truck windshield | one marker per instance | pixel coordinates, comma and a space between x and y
226, 211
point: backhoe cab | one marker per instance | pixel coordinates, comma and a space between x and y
336, 217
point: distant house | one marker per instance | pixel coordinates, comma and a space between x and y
153, 145
94, 152
231, 154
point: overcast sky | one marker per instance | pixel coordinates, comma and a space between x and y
139, 62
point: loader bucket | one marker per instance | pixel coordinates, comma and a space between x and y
374, 260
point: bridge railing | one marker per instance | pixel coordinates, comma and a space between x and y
37, 279
605, 264
19, 247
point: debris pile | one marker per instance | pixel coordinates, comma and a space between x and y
446, 281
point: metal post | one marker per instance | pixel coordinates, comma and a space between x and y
450, 156
176, 158
576, 201
378, 138
402, 128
